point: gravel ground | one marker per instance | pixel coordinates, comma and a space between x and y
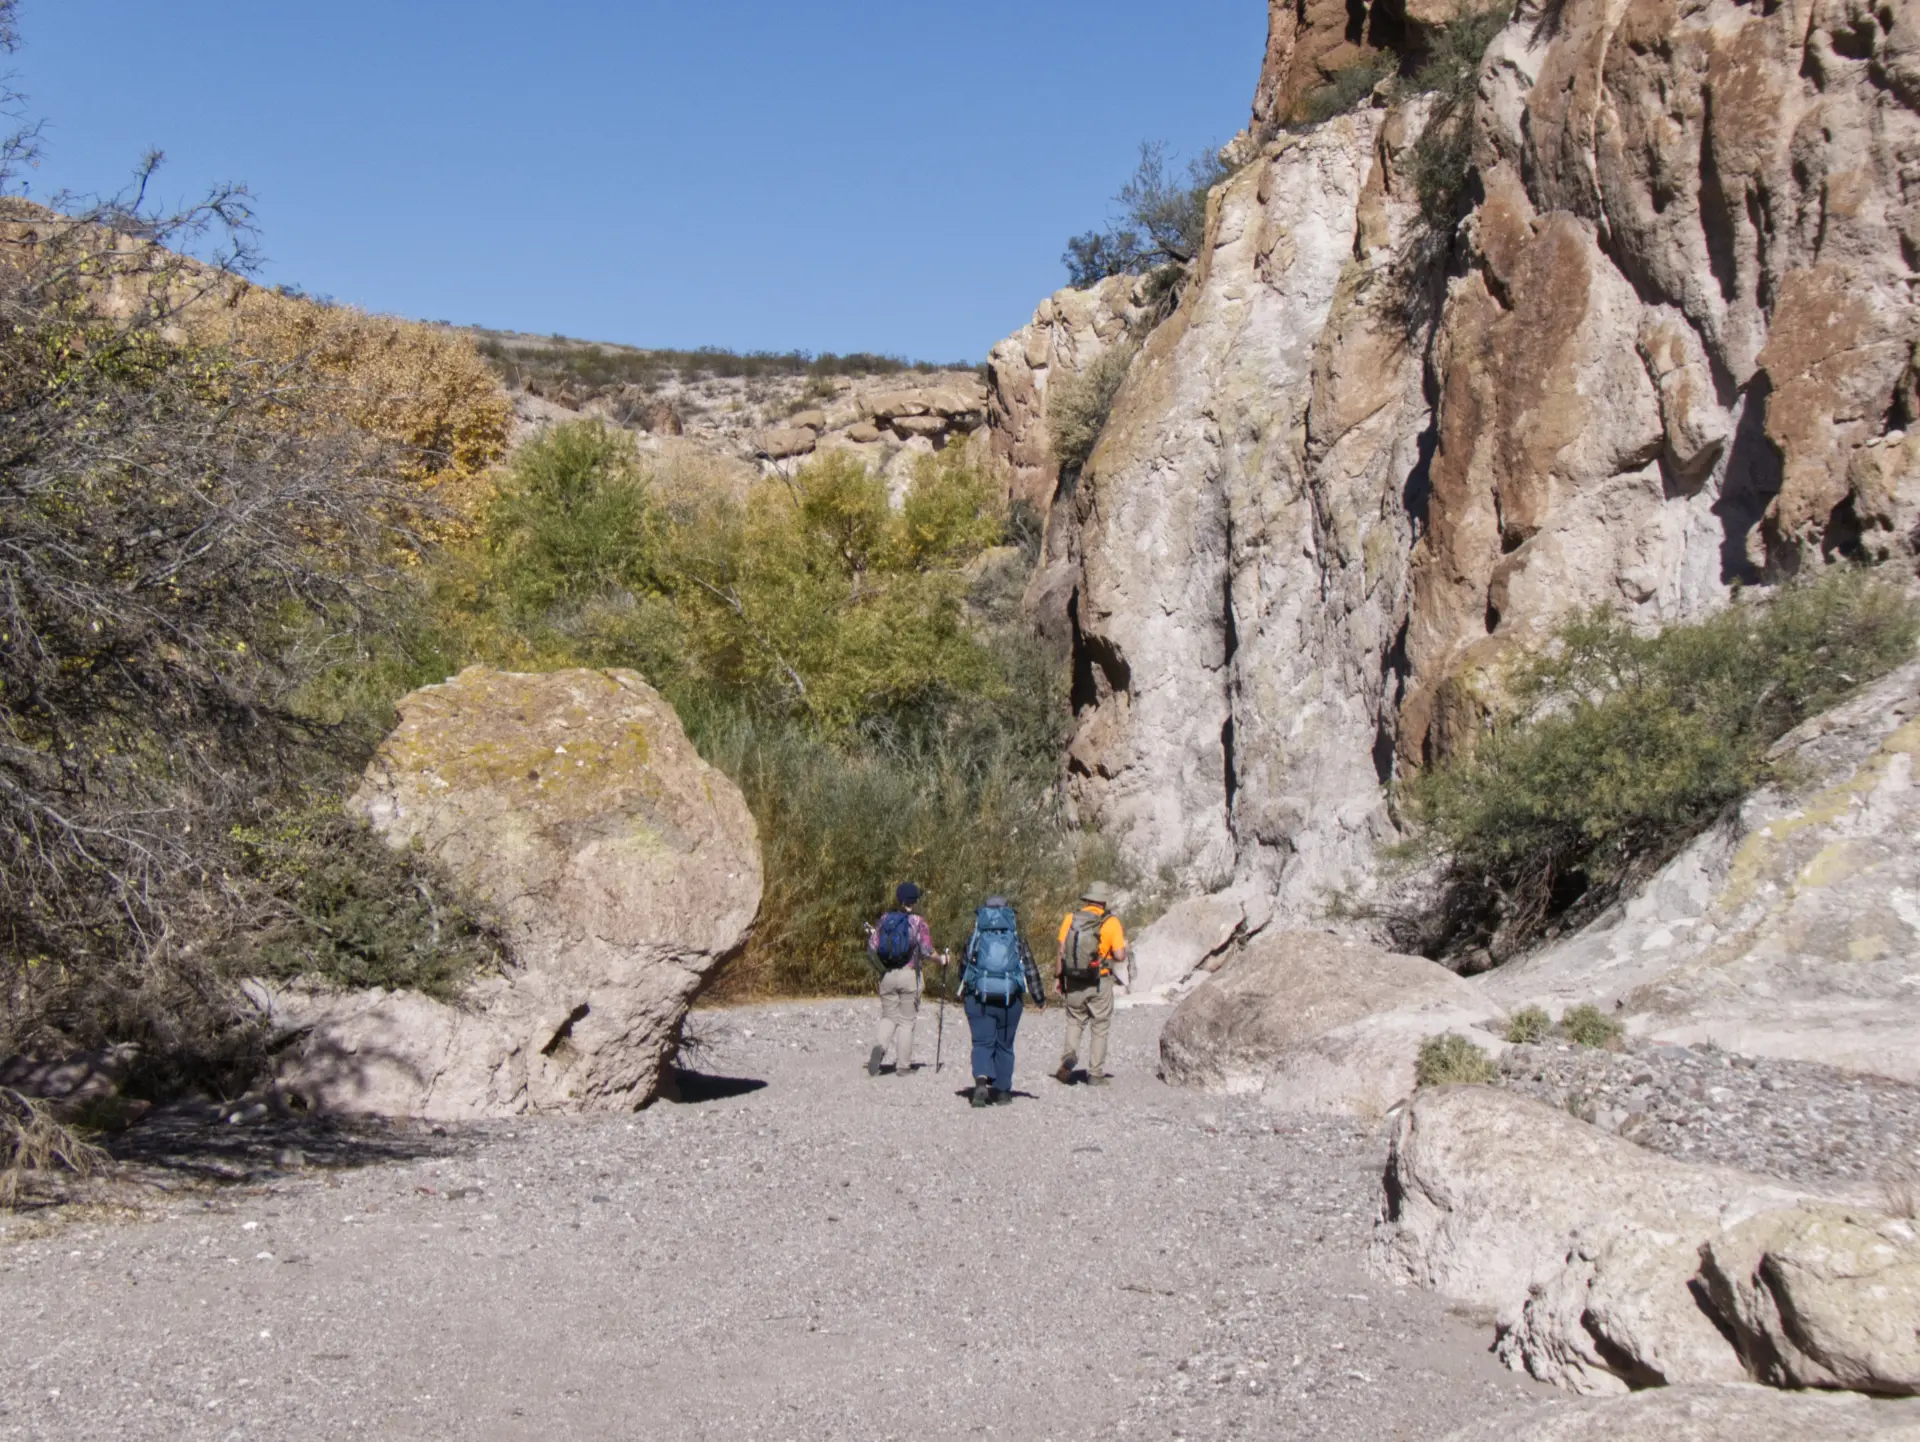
1804, 1123
796, 1251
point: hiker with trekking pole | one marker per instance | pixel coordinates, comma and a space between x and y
900, 943
999, 977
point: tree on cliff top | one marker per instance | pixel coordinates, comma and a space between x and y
1160, 220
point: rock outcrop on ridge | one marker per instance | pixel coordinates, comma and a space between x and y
621, 865
1669, 350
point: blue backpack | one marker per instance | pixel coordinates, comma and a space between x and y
894, 945
995, 971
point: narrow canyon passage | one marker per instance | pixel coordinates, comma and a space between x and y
823, 1256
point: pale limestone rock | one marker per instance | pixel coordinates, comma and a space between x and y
862, 433
1731, 1412
1191, 935
808, 420
622, 866
1822, 1297
1315, 1022
1793, 931
1243, 536
1582, 1245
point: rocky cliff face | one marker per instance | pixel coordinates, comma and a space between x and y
1670, 350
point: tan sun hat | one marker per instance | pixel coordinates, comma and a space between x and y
1099, 893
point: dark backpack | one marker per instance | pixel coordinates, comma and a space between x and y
894, 940
1081, 964
996, 971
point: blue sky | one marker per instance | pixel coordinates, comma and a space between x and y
843, 175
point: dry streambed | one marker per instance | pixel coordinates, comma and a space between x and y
824, 1255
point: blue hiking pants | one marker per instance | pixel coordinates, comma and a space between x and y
993, 1024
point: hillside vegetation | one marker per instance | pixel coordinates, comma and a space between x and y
1612, 749
830, 652
208, 497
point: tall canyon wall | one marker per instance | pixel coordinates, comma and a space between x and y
1671, 349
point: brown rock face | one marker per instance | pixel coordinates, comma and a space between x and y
623, 866
1687, 312
1671, 349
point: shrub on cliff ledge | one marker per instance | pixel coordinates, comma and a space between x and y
1078, 407
1160, 220
1614, 749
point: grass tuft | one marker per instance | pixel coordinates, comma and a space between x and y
1452, 1060
1528, 1025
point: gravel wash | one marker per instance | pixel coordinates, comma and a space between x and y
1814, 1126
823, 1255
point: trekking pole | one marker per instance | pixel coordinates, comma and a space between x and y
940, 1030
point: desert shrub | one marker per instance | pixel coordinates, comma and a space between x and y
1452, 1059
1614, 749
1587, 1025
1439, 163
334, 903
1349, 87
33, 1141
1528, 1025
1078, 407
423, 390
1160, 219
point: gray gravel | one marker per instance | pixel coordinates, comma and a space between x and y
1805, 1123
825, 1256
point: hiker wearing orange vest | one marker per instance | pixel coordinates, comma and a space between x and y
1093, 946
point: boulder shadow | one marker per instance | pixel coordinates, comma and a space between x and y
690, 1088
196, 1141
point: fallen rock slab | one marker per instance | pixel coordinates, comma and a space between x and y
1727, 1413
1582, 1247
1822, 1297
1316, 1022
622, 866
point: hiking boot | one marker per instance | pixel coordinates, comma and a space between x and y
874, 1058
982, 1093
1098, 1081
1002, 1099
1065, 1073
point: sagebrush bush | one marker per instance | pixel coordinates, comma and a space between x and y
1452, 1060
1613, 749
1587, 1025
334, 903
1078, 407
1528, 1025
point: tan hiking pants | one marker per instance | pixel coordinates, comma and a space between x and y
899, 1005
1089, 1008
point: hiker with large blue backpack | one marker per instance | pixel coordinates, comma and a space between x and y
999, 977
899, 944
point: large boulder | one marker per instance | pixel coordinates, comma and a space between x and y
1727, 1413
1792, 930
1587, 1252
621, 865
1822, 1297
1311, 1021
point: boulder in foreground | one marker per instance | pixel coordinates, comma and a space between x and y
1608, 1267
623, 869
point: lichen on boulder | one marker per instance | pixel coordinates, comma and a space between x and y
623, 868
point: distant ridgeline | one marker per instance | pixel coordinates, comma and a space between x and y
556, 363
